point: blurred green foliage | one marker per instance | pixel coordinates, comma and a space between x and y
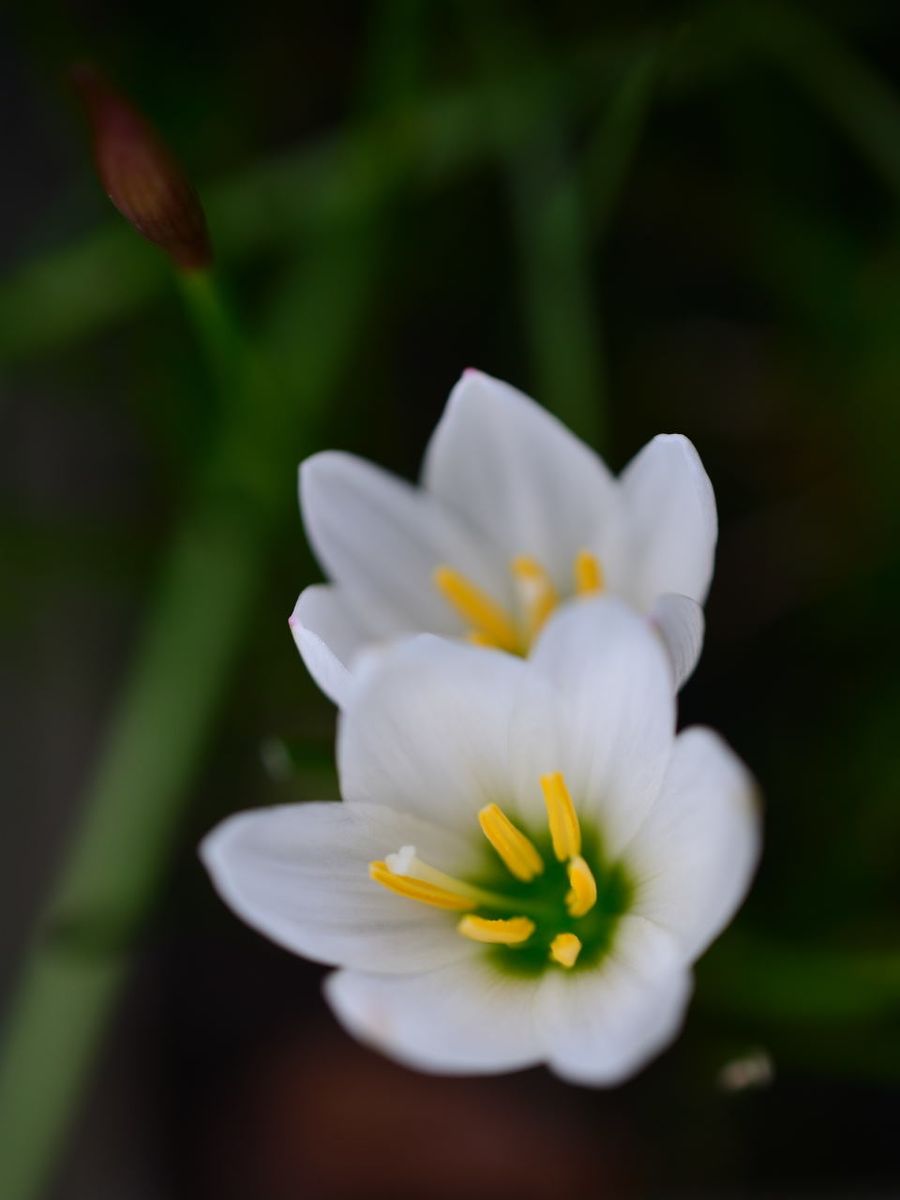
686, 221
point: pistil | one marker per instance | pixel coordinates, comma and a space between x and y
538, 595
407, 875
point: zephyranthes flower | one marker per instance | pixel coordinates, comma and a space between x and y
527, 859
514, 516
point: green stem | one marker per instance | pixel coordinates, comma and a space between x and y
561, 211
210, 578
565, 330
564, 211
611, 149
216, 328
79, 960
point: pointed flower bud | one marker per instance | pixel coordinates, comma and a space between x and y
140, 174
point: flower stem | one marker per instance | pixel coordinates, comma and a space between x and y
79, 959
210, 575
559, 223
219, 335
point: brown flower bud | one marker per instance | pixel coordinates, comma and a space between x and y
140, 174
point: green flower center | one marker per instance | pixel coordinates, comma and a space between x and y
547, 900
543, 901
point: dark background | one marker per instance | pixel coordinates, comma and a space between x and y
653, 218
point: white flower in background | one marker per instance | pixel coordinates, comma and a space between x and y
527, 859
514, 515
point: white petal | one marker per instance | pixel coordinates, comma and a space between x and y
619, 723
382, 539
694, 857
327, 637
464, 1019
299, 875
599, 1027
440, 728
670, 511
517, 473
680, 622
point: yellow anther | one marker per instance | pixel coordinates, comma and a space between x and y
518, 854
564, 949
474, 638
508, 932
488, 619
539, 596
588, 574
565, 831
419, 889
583, 894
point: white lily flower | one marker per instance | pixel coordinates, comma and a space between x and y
514, 515
527, 860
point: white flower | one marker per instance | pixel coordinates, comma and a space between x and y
527, 859
514, 515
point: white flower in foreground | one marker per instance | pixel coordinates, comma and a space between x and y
514, 515
527, 860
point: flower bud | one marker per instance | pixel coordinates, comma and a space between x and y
140, 174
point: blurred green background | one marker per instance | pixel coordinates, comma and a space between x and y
653, 218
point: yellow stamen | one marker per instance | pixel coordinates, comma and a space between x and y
565, 831
583, 895
474, 638
418, 889
475, 606
588, 574
509, 932
518, 854
564, 949
539, 596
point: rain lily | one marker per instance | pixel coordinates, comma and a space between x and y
514, 516
527, 859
